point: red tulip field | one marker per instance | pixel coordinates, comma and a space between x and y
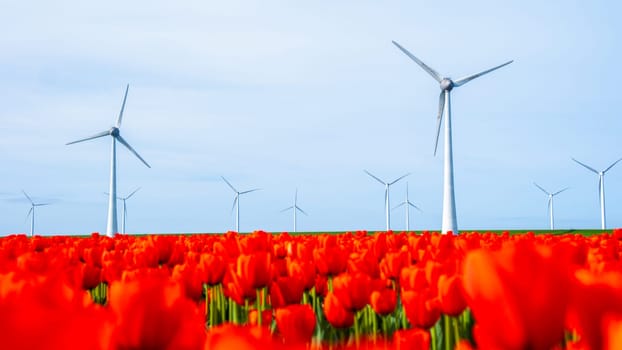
356, 290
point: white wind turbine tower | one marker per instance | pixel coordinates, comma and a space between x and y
444, 108
32, 211
114, 132
601, 189
295, 208
236, 202
387, 207
408, 204
551, 195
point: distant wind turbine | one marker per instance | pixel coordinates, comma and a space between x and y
449, 222
32, 211
551, 195
408, 204
236, 202
124, 213
387, 206
111, 226
295, 208
601, 189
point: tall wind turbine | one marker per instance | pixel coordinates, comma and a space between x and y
551, 195
387, 207
601, 188
444, 108
236, 202
114, 132
295, 208
408, 204
32, 211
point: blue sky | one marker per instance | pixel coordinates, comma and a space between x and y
283, 95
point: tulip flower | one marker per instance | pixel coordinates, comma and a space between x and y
336, 314
296, 323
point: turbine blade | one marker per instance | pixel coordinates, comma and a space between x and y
99, 134
439, 118
286, 209
425, 67
542, 189
235, 200
558, 192
386, 194
549, 205
41, 204
414, 206
127, 145
586, 166
131, 194
249, 191
399, 178
465, 80
230, 185
399, 205
302, 211
29, 212
377, 179
611, 166
27, 196
120, 118
296, 196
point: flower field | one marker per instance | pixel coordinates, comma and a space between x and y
278, 291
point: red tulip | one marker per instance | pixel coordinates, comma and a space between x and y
305, 270
595, 300
392, 264
451, 295
518, 296
255, 269
296, 323
383, 301
212, 268
154, 314
285, 291
336, 314
353, 290
330, 260
91, 276
422, 308
413, 278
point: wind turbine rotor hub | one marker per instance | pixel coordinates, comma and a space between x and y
114, 131
447, 84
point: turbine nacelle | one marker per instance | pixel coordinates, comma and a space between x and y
447, 84
114, 131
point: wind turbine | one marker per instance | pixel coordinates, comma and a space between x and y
408, 204
124, 213
32, 211
601, 188
444, 108
111, 226
551, 195
387, 207
296, 208
236, 202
